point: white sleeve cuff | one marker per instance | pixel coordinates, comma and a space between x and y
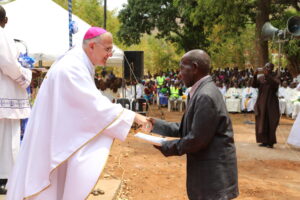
121, 127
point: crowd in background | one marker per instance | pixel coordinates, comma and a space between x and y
166, 88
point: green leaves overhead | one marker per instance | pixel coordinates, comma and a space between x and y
162, 18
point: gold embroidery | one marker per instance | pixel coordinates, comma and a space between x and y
72, 155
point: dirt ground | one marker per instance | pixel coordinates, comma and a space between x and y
264, 174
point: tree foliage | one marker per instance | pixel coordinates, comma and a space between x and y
219, 26
291, 48
163, 19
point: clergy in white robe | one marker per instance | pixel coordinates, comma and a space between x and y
292, 96
249, 96
71, 128
233, 99
282, 95
294, 137
296, 102
14, 103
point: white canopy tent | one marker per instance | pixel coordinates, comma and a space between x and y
43, 25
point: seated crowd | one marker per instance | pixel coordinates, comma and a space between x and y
167, 90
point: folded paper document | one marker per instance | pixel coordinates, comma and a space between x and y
150, 138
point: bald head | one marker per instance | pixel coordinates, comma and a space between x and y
198, 57
3, 18
194, 65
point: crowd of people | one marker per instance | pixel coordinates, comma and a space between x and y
236, 86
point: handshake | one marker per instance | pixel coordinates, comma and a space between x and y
143, 123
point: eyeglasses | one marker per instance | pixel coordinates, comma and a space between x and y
107, 49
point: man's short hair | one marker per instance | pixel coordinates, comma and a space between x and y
95, 39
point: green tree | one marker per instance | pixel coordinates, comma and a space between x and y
163, 19
189, 24
192, 24
232, 51
159, 55
291, 48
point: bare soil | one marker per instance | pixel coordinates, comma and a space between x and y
264, 174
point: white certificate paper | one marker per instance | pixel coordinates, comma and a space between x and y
150, 138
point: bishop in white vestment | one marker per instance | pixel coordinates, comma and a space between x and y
14, 103
71, 128
249, 96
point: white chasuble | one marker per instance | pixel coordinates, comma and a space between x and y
69, 134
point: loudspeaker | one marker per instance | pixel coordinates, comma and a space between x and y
136, 61
269, 31
293, 26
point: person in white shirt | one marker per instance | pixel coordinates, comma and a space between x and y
249, 96
233, 98
14, 103
296, 102
71, 127
292, 95
282, 95
222, 88
139, 89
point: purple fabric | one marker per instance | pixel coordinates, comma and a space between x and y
94, 32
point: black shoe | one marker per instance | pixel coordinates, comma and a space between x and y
2, 189
270, 146
263, 145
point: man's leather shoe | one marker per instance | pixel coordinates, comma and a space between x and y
270, 146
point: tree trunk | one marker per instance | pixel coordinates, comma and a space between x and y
294, 65
262, 16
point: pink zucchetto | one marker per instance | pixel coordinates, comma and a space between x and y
94, 32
